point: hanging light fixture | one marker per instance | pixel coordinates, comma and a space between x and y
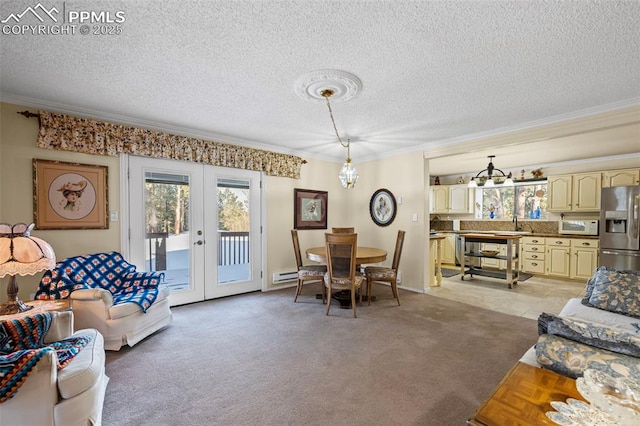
489, 179
348, 174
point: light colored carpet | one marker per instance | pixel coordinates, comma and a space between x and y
260, 359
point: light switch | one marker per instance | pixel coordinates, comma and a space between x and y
414, 218
113, 216
399, 200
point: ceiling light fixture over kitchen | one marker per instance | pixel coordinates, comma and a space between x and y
340, 86
489, 179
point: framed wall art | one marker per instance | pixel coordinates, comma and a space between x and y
69, 195
310, 209
382, 207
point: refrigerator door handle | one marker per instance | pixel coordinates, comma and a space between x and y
636, 219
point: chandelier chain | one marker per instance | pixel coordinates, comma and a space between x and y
335, 129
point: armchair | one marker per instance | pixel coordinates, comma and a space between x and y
108, 294
73, 395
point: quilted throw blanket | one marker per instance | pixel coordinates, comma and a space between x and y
22, 346
108, 271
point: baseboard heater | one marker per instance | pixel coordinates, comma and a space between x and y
282, 277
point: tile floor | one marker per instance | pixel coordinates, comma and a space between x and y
527, 299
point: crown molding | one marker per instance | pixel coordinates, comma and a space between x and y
603, 117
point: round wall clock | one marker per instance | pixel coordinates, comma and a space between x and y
382, 207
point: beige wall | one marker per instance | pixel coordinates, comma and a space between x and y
17, 148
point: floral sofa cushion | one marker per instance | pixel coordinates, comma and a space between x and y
590, 333
571, 358
108, 271
615, 291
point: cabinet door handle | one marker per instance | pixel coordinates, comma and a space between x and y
534, 264
534, 248
586, 244
535, 256
559, 242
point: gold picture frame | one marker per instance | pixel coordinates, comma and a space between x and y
69, 195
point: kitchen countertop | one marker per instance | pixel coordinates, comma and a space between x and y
528, 234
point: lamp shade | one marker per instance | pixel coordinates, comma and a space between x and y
22, 254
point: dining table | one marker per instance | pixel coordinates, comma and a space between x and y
364, 255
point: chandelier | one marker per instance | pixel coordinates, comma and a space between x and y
348, 174
489, 178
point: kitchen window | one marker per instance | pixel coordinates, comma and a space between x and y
525, 200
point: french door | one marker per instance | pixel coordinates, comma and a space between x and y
198, 224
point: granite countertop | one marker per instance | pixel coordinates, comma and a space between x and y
529, 234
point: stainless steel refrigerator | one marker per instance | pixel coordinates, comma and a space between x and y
620, 227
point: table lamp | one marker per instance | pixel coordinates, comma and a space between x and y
21, 254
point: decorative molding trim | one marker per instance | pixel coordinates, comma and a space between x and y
344, 85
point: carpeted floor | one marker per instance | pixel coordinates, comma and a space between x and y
260, 359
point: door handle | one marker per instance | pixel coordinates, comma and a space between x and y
199, 242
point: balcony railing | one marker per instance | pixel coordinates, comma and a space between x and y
233, 249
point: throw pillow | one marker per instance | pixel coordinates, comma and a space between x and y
616, 291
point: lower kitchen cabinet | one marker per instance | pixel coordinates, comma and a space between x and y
449, 250
558, 257
584, 258
533, 255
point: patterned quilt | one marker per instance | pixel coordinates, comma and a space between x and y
108, 271
22, 345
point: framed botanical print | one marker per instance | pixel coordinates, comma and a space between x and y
382, 207
69, 195
310, 209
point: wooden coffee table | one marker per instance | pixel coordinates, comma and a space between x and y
523, 397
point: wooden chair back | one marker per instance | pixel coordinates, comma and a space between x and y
341, 256
296, 248
398, 251
336, 230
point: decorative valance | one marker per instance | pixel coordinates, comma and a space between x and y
69, 133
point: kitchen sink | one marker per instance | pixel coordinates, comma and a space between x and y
467, 231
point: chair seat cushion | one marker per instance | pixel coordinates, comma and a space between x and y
312, 271
343, 281
379, 273
129, 308
86, 368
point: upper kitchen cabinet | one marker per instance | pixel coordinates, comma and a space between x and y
620, 177
577, 193
451, 199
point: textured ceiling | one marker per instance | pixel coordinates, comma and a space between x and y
431, 72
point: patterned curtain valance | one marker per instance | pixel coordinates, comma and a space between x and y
69, 133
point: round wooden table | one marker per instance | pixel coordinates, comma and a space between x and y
363, 255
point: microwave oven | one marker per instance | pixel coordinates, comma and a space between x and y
578, 227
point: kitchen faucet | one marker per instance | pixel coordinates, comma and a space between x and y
515, 220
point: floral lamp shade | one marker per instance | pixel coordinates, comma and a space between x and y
21, 254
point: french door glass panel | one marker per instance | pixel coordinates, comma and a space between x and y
197, 224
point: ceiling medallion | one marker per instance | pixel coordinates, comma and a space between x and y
344, 85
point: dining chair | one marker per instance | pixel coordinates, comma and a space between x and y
341, 267
306, 273
336, 230
384, 274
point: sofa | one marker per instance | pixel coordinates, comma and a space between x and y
72, 395
600, 331
108, 294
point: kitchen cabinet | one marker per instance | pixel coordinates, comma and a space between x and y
558, 257
533, 255
584, 258
577, 192
622, 177
451, 199
449, 250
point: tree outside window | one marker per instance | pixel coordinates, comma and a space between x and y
524, 201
